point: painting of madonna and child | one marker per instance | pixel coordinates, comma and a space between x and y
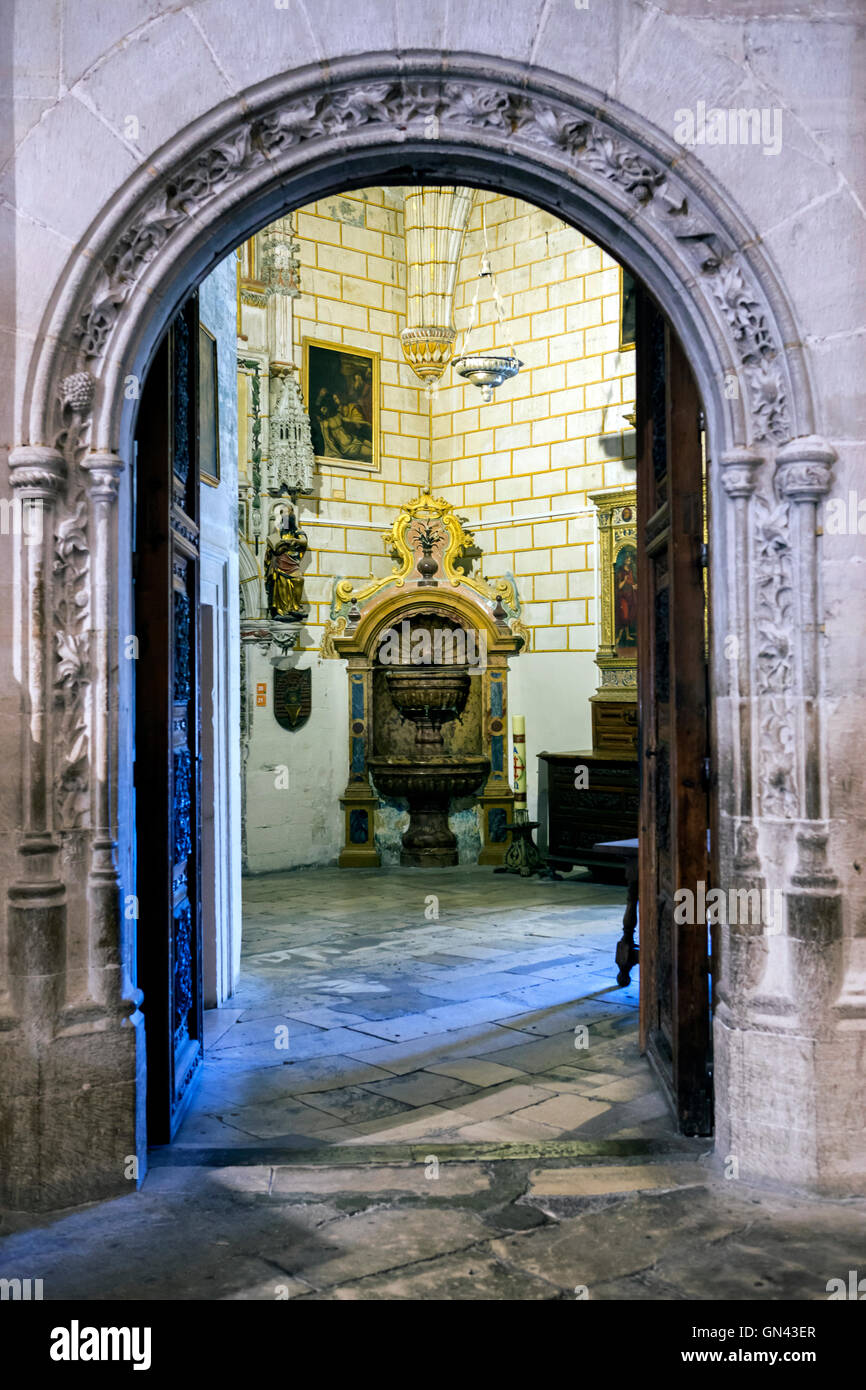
342, 397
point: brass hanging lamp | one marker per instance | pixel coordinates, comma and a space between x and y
487, 370
435, 221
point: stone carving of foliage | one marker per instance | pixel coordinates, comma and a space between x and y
204, 176
757, 352
483, 107
775, 658
71, 673
553, 126
71, 581
774, 593
623, 165
467, 104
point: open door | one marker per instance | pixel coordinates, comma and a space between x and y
167, 724
672, 704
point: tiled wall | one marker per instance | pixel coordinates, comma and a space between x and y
557, 431
353, 278
519, 468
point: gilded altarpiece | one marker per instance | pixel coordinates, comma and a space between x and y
614, 705
431, 589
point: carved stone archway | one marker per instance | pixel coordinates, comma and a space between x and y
382, 120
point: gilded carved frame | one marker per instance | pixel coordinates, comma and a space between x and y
617, 527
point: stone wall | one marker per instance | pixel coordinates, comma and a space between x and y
132, 178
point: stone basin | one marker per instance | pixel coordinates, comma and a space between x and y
428, 786
430, 696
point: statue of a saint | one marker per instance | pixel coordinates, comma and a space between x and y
286, 548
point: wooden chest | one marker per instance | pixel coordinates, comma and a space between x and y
576, 809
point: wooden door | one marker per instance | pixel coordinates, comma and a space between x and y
673, 744
167, 724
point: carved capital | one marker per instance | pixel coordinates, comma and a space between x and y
813, 870
104, 470
740, 471
746, 856
37, 470
804, 469
77, 391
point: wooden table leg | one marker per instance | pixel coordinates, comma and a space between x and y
626, 951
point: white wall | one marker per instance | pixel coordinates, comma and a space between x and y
301, 823
551, 690
221, 898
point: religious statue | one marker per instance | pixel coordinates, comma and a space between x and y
286, 548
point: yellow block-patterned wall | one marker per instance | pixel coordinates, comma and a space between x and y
353, 279
520, 467
555, 432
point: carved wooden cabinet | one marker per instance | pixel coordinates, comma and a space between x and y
577, 810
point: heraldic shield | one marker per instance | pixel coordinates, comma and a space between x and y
292, 697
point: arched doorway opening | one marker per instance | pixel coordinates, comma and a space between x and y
630, 190
682, 1061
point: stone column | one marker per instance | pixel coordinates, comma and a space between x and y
786, 1057
743, 951
37, 900
804, 476
105, 915
31, 1013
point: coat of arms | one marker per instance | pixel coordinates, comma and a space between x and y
292, 697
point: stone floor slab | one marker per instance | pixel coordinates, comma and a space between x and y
589, 1181
355, 1105
478, 1071
421, 1088
475, 1276
375, 1243
421, 1180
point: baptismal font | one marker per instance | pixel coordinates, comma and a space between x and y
427, 775
427, 649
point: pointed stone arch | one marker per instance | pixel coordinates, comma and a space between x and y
630, 188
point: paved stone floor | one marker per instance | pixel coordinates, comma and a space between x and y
431, 1131
478, 1230
359, 1020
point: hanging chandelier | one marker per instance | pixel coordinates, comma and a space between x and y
435, 221
486, 370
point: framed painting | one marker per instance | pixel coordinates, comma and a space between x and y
625, 600
617, 571
208, 408
341, 394
614, 705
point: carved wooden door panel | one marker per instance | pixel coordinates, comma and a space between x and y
167, 762
673, 747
